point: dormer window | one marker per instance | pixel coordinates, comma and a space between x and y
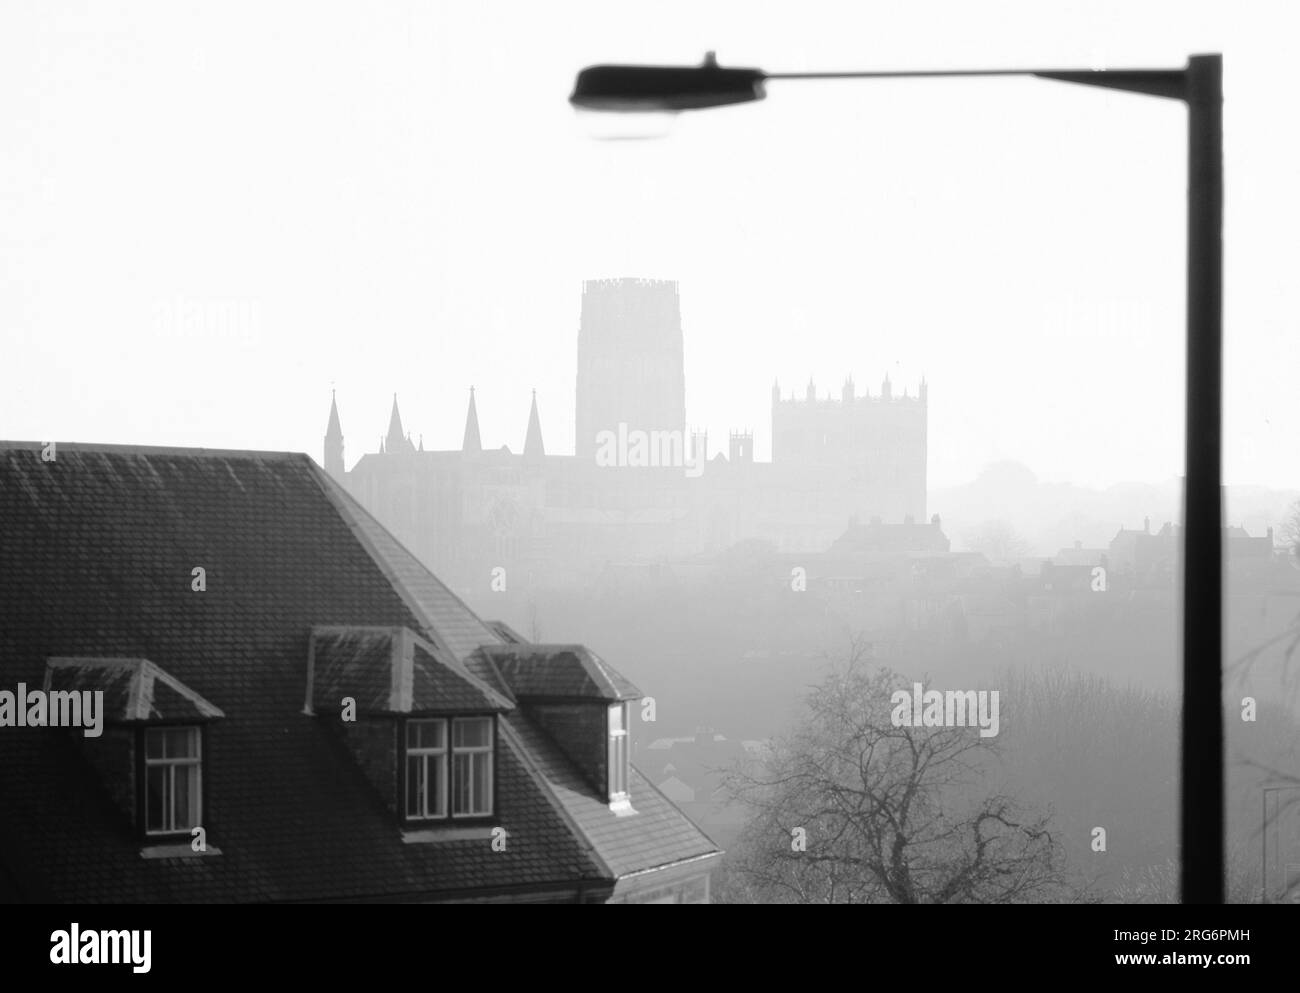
449, 777
150, 758
618, 749
582, 704
173, 780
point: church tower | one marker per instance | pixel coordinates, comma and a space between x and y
631, 367
334, 442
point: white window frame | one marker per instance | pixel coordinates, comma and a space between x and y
616, 753
426, 753
170, 763
484, 809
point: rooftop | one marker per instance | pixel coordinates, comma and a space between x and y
97, 566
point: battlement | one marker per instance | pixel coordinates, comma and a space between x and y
848, 396
618, 284
793, 401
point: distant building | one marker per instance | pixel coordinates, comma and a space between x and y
878, 538
689, 770
641, 484
294, 707
1153, 559
1078, 555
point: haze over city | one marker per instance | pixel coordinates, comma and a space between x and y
410, 496
381, 201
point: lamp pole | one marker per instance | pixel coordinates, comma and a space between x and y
1202, 779
1199, 85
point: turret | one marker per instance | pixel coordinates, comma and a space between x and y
741, 447
699, 446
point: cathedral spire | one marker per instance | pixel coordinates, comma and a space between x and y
334, 441
471, 442
395, 441
533, 447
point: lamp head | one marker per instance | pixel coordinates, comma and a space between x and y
640, 89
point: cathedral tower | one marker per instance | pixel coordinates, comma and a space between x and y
631, 368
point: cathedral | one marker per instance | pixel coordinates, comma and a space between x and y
639, 488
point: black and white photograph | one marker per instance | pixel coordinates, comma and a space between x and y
482, 452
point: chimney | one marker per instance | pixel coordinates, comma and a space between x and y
1146, 525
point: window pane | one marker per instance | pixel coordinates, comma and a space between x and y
434, 734
618, 764
473, 733
182, 742
155, 744
481, 785
155, 798
426, 734
414, 786
616, 722
187, 797
437, 775
460, 785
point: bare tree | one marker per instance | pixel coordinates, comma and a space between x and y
999, 541
1289, 531
851, 809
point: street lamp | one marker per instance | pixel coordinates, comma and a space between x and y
634, 89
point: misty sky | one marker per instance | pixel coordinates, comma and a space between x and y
395, 196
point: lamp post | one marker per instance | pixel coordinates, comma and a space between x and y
632, 89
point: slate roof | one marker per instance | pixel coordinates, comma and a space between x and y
392, 671
134, 689
96, 553
559, 672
